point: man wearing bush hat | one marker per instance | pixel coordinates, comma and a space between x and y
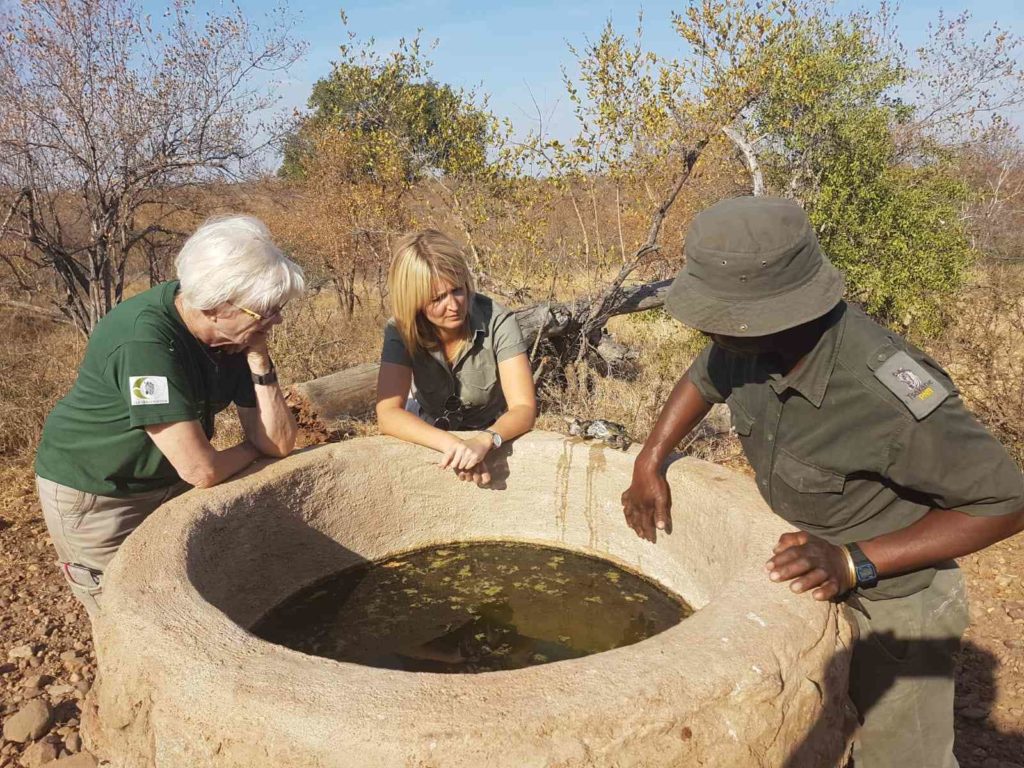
858, 439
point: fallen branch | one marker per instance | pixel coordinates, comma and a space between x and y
46, 313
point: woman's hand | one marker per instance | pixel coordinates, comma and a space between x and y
462, 455
257, 355
479, 474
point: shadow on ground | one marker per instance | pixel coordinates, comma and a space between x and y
1003, 749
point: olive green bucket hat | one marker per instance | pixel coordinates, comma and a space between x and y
753, 267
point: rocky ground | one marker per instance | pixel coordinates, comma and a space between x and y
47, 663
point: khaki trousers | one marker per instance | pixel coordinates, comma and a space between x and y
87, 530
901, 675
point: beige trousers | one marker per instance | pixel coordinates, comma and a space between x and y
901, 675
87, 530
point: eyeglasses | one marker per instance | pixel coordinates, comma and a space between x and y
453, 411
256, 315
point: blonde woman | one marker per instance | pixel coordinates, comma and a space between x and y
463, 355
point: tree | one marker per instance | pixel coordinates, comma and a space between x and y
392, 100
383, 138
888, 212
105, 115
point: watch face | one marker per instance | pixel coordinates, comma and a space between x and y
866, 572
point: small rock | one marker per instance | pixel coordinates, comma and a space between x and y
28, 723
59, 690
83, 686
36, 681
20, 652
73, 743
40, 753
974, 713
1013, 643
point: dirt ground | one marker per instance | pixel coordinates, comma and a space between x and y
46, 652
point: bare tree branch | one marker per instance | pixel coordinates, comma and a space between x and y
745, 147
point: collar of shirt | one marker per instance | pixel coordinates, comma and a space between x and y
812, 376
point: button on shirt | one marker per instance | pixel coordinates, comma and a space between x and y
473, 377
839, 455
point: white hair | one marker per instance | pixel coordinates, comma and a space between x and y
231, 259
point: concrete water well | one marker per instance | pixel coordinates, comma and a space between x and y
757, 677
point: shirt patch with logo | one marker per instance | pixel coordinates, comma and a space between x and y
149, 390
916, 388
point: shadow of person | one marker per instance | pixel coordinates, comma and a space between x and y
1002, 749
497, 463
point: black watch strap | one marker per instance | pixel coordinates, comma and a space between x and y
867, 574
270, 377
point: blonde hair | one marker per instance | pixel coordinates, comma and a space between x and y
418, 260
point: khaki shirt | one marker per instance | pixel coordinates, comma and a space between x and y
865, 437
474, 376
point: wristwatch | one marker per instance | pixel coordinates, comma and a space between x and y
270, 377
495, 437
867, 574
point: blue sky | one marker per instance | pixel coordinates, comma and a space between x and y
515, 51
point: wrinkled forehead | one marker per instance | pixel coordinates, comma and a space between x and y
441, 284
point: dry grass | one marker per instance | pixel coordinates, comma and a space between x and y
984, 351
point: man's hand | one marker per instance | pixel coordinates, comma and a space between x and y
811, 563
466, 454
647, 503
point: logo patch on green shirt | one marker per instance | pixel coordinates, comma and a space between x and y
916, 388
149, 390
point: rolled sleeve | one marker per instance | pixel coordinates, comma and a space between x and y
153, 384
394, 350
953, 461
700, 375
508, 337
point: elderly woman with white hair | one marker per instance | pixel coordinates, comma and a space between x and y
135, 429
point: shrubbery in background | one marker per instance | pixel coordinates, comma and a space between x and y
910, 176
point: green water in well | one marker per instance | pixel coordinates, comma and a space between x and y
476, 607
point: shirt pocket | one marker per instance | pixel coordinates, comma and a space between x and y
477, 386
806, 493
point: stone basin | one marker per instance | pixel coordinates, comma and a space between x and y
756, 677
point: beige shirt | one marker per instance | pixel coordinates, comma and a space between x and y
468, 393
863, 439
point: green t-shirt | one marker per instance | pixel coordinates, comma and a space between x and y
141, 367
